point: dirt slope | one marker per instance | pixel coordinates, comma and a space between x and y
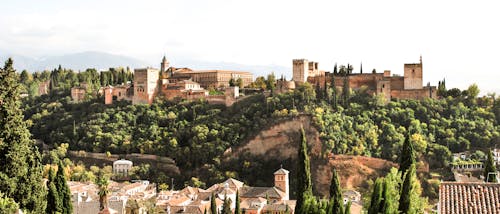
280, 142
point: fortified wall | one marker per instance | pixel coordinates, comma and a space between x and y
409, 86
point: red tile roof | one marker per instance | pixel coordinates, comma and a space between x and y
470, 198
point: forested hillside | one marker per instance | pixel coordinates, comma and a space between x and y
196, 134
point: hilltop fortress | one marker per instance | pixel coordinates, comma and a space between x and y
409, 86
170, 82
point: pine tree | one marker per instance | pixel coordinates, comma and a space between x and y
336, 204
53, 201
489, 167
21, 171
63, 190
304, 184
213, 205
335, 69
361, 68
237, 209
377, 198
407, 156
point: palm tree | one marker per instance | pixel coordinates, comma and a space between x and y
102, 183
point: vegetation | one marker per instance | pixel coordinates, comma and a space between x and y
196, 134
490, 169
21, 171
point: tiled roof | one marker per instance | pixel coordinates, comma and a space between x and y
469, 198
255, 192
281, 172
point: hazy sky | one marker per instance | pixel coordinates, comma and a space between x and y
459, 40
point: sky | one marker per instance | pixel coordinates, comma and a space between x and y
458, 40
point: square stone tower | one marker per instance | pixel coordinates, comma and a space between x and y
413, 78
282, 183
145, 85
300, 70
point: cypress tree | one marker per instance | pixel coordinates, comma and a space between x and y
304, 184
237, 209
213, 205
334, 89
336, 202
406, 204
348, 208
21, 171
63, 190
377, 197
489, 167
226, 206
388, 203
53, 200
407, 156
361, 68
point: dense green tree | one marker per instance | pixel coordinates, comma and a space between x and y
377, 197
21, 171
63, 190
54, 204
304, 184
271, 82
489, 167
407, 157
410, 201
7, 205
237, 209
213, 205
226, 206
336, 204
239, 82
334, 89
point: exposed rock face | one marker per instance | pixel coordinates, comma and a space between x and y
280, 143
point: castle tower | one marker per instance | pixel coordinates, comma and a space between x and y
145, 85
108, 95
300, 70
281, 182
165, 64
413, 77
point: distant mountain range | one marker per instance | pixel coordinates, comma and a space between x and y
102, 61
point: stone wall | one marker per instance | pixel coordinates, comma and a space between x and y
419, 94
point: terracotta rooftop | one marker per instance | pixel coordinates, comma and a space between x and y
470, 198
255, 192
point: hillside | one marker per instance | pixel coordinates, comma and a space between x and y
279, 144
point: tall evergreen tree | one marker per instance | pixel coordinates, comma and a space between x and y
407, 157
53, 200
409, 201
21, 171
489, 167
377, 198
388, 203
226, 206
237, 209
346, 91
334, 89
361, 68
336, 204
213, 204
335, 69
63, 190
304, 184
